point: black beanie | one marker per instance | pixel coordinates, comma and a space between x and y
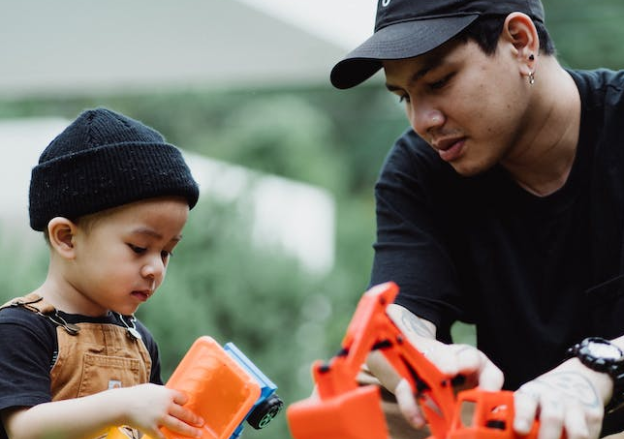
103, 160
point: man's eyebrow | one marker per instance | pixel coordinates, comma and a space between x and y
430, 63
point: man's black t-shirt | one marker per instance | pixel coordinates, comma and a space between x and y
522, 268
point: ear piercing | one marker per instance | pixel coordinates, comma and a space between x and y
531, 74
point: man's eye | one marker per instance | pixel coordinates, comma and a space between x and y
441, 83
138, 250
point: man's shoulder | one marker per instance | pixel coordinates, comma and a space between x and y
600, 86
599, 76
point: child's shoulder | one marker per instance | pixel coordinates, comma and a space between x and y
24, 330
15, 316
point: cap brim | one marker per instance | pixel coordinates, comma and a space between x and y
398, 41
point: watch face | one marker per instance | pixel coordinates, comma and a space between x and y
604, 350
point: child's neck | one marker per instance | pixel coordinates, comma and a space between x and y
67, 299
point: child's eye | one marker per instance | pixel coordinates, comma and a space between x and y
138, 250
165, 255
404, 98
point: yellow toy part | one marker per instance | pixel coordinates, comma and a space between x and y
121, 433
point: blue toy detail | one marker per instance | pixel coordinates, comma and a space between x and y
268, 404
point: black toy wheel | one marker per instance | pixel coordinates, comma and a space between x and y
265, 412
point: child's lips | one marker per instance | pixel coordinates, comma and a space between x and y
142, 295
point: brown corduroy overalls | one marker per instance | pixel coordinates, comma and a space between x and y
91, 357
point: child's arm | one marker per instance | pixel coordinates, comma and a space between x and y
145, 407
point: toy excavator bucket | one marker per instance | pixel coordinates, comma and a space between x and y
485, 415
353, 415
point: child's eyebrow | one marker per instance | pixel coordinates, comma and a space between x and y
154, 234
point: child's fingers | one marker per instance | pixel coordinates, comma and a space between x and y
185, 415
179, 397
176, 425
182, 413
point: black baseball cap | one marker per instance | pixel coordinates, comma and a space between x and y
409, 28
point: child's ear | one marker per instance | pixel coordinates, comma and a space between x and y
61, 233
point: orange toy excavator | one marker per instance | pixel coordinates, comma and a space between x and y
344, 410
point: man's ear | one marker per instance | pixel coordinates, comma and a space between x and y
519, 30
61, 233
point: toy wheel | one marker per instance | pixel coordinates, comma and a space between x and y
265, 412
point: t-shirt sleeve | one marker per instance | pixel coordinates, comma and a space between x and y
27, 346
152, 348
410, 248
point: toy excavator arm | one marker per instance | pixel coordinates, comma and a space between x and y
353, 406
344, 410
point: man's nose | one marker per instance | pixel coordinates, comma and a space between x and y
425, 121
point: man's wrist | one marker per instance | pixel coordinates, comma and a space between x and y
600, 382
606, 360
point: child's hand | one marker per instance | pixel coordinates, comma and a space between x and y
150, 406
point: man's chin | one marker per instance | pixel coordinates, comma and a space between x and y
468, 170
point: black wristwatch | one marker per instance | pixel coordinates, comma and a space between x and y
603, 356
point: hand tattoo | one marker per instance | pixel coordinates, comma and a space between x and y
573, 384
413, 324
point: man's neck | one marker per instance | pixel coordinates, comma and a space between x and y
543, 158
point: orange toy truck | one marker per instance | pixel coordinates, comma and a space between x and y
224, 387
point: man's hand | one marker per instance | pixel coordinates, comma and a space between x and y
569, 399
451, 360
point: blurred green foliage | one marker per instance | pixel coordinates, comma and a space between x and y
220, 284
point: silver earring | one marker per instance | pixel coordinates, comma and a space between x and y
531, 78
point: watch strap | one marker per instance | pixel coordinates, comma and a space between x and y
617, 397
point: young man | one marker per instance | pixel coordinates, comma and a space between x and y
112, 198
502, 206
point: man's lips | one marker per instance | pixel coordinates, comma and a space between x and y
449, 149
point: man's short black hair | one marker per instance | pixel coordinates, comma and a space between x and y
486, 30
